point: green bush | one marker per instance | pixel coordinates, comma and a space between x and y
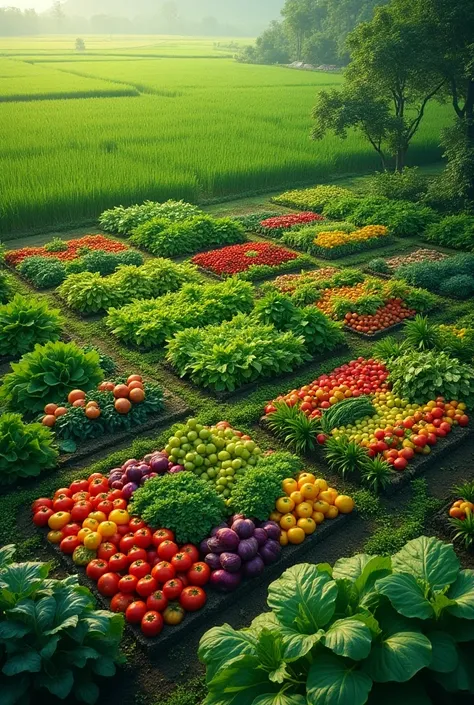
107, 262
304, 239
6, 287
201, 232
151, 322
53, 643
25, 449
370, 629
252, 221
182, 502
455, 231
406, 185
47, 375
341, 208
312, 199
25, 322
402, 218
460, 286
379, 265
433, 275
125, 220
43, 272
56, 245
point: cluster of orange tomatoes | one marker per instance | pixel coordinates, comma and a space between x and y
394, 311
460, 509
125, 395
305, 503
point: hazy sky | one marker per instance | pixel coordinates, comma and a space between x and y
38, 5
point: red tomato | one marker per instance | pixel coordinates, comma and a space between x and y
400, 463
127, 542
184, 578
116, 494
152, 624
146, 586
173, 589
139, 569
135, 612
101, 497
152, 557
192, 550
106, 550
157, 601
182, 562
407, 453
81, 510
463, 420
136, 523
41, 502
108, 584
142, 537
115, 539
199, 574
128, 583
63, 490
71, 529
162, 535
120, 602
193, 598
79, 486
95, 476
69, 544
105, 506
81, 496
41, 517
173, 614
163, 572
123, 529
167, 550
119, 503
98, 485
137, 554
63, 503
96, 568
118, 562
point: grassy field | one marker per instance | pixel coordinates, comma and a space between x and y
188, 128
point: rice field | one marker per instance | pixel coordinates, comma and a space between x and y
189, 128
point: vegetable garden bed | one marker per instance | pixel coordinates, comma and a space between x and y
379, 333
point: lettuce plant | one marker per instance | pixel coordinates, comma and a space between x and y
125, 220
24, 322
53, 642
25, 449
370, 629
48, 374
6, 288
43, 272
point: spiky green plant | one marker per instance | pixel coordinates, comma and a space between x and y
293, 427
387, 349
421, 334
464, 530
376, 473
344, 456
465, 490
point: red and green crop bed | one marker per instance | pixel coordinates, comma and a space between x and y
72, 249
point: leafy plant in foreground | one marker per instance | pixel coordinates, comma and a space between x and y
294, 427
24, 322
6, 288
369, 629
52, 640
343, 456
376, 473
25, 449
43, 272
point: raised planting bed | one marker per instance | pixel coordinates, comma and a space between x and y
386, 267
251, 261
273, 225
98, 518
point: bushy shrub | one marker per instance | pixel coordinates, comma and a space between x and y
379, 265
402, 218
455, 231
312, 199
125, 220
151, 322
182, 502
189, 236
341, 208
53, 642
406, 185
25, 449
56, 245
25, 322
460, 286
43, 272
47, 375
107, 262
6, 287
433, 275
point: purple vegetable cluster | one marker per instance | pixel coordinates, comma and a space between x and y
134, 473
240, 549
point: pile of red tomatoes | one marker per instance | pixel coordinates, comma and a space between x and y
393, 312
145, 573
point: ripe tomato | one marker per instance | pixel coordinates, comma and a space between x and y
162, 535
139, 569
463, 420
120, 602
55, 536
98, 516
157, 601
101, 497
79, 486
42, 515
119, 503
199, 574
167, 550
163, 572
69, 544
105, 506
118, 562
137, 554
90, 523
92, 540
55, 520
136, 523
152, 556
115, 539
184, 579
119, 516
107, 528
181, 562
41, 502
96, 568
63, 503
152, 624
98, 485
81, 510
172, 589
127, 542
128, 583
63, 490
173, 614
146, 586
192, 550
71, 529
116, 494
142, 538
407, 453
135, 612
192, 598
81, 496
106, 550
108, 584
400, 463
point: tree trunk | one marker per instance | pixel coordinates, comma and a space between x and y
469, 120
400, 159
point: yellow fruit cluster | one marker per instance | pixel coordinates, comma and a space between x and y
337, 238
305, 503
458, 332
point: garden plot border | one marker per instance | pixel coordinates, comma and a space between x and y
216, 601
308, 267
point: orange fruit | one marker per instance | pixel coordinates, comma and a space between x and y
296, 535
287, 521
49, 409
327, 496
79, 402
83, 533
305, 509
98, 517
136, 395
320, 506
304, 478
121, 391
75, 395
456, 513
283, 538
90, 524
92, 412
284, 505
134, 378
48, 420
344, 504
289, 485
122, 406
322, 484
60, 411
92, 403
318, 517
297, 497
307, 524
135, 385
309, 491
276, 516
332, 512
109, 386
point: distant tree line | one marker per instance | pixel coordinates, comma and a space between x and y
312, 31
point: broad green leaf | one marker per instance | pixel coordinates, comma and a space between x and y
79, 657
49, 649
398, 657
29, 661
71, 603
378, 567
104, 667
86, 692
444, 653
68, 623
325, 568
406, 595
369, 621
239, 682
266, 620
13, 630
296, 645
280, 699
334, 681
428, 559
60, 684
6, 554
349, 637
270, 654
462, 630
303, 598
22, 579
440, 603
45, 611
351, 568
279, 674
462, 591
460, 678
222, 644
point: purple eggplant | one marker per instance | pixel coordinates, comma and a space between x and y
261, 536
159, 464
270, 552
225, 581
253, 568
213, 561
230, 562
272, 529
244, 528
248, 548
129, 489
228, 538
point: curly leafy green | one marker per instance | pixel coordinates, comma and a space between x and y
25, 322
25, 449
